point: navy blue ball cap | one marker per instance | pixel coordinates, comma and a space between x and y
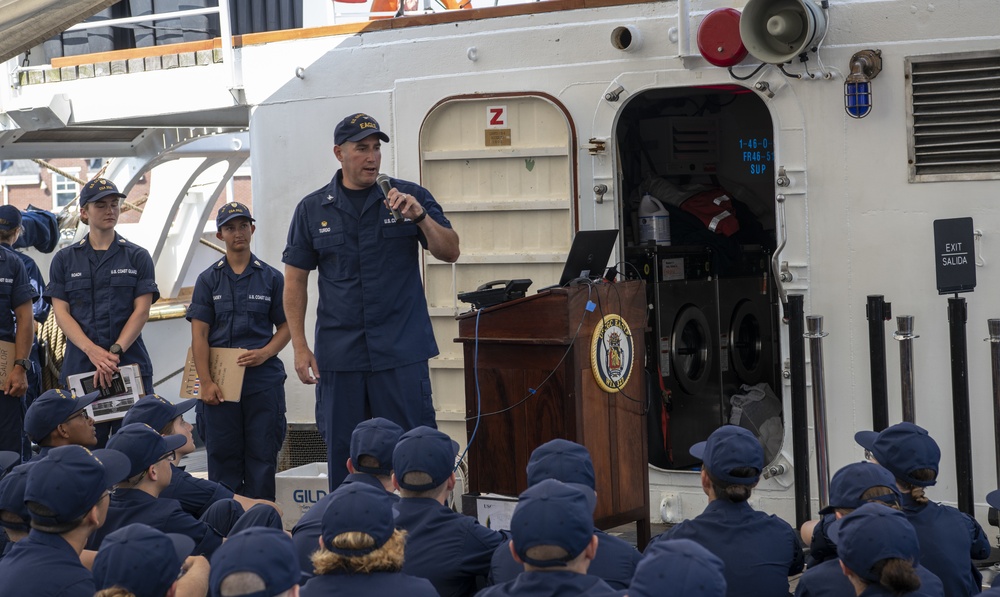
141, 559
357, 127
852, 481
98, 189
70, 480
684, 566
993, 499
358, 508
156, 411
10, 218
552, 513
49, 410
376, 438
561, 460
728, 448
230, 211
903, 448
266, 552
870, 534
424, 450
12, 488
143, 445
8, 460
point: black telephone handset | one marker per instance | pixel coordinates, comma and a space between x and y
493, 284
495, 292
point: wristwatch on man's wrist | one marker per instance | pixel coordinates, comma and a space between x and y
116, 349
24, 363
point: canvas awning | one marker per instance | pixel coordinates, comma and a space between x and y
26, 23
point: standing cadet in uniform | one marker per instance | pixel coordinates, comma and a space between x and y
949, 539
449, 549
570, 462
16, 297
360, 551
372, 444
759, 551
237, 303
373, 332
553, 535
101, 289
67, 497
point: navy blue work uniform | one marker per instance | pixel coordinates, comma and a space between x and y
373, 332
551, 583
377, 583
133, 505
194, 494
949, 541
828, 580
446, 548
15, 290
44, 565
309, 528
760, 551
101, 290
821, 548
614, 563
40, 312
243, 438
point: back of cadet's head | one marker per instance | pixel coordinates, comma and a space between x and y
678, 568
257, 562
141, 559
733, 458
423, 459
878, 545
909, 452
859, 483
552, 524
372, 443
358, 534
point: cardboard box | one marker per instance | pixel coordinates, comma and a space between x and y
297, 489
115, 406
493, 511
225, 373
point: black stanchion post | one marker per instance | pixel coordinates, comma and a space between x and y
878, 312
957, 315
800, 415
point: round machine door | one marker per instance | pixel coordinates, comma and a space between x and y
691, 349
746, 343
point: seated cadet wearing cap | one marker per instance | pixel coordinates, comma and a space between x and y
553, 536
14, 517
360, 551
194, 494
67, 498
678, 568
137, 498
758, 550
851, 487
260, 562
59, 418
370, 464
570, 462
140, 561
877, 548
949, 539
449, 549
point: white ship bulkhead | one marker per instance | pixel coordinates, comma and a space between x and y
851, 222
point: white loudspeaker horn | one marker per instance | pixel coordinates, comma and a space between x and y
776, 31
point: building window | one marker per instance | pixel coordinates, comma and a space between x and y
63, 190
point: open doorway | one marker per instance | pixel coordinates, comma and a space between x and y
696, 171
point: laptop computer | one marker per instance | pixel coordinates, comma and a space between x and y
588, 255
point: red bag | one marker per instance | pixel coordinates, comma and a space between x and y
715, 210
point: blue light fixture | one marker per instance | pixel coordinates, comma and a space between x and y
858, 97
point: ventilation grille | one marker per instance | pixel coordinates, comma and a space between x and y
303, 445
694, 145
954, 117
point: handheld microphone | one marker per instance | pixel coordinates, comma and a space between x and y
383, 183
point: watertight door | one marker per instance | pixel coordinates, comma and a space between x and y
502, 170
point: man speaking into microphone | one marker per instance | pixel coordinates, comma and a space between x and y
373, 333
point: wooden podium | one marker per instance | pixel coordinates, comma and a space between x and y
529, 371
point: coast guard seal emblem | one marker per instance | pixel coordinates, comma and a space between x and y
611, 353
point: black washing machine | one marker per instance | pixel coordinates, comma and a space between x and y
687, 324
747, 340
